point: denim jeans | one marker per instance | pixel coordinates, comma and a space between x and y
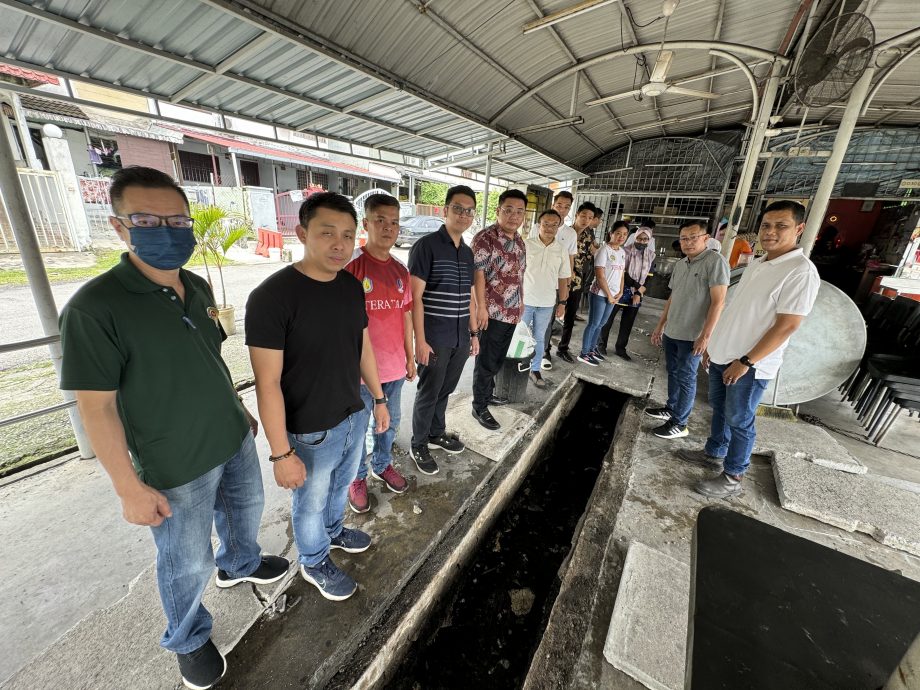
318, 507
538, 319
380, 446
733, 409
682, 366
599, 310
229, 497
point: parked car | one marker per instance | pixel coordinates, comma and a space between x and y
413, 229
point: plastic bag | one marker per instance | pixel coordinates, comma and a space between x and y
522, 342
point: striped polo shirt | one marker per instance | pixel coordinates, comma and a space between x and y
447, 270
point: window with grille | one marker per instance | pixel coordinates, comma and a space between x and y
197, 167
249, 171
303, 178
321, 179
106, 150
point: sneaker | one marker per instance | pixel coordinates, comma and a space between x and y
351, 541
546, 363
566, 356
449, 443
662, 413
202, 668
486, 419
622, 354
670, 430
332, 583
701, 457
598, 356
394, 480
722, 486
587, 359
537, 379
271, 569
357, 496
423, 460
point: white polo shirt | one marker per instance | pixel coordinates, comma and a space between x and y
566, 236
787, 285
545, 266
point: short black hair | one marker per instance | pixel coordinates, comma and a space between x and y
586, 206
459, 189
798, 211
375, 201
619, 224
649, 223
512, 194
329, 200
597, 212
137, 176
690, 222
549, 212
563, 195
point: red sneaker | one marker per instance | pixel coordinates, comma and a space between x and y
393, 479
357, 496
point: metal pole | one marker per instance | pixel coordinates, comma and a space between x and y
236, 169
755, 145
485, 194
24, 232
818, 206
412, 189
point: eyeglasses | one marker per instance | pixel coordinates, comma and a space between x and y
150, 220
549, 226
693, 238
463, 210
512, 211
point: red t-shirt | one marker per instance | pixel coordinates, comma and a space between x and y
387, 297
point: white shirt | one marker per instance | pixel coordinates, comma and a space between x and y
613, 261
786, 285
565, 235
546, 264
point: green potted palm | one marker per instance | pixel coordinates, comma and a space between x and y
216, 230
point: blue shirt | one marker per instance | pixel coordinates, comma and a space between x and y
447, 270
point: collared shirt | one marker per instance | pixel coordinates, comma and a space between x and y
181, 414
447, 270
690, 297
786, 285
546, 264
584, 258
502, 261
565, 235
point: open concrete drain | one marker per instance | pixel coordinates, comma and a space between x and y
489, 624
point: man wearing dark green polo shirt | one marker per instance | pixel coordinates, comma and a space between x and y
141, 349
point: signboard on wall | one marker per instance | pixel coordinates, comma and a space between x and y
909, 184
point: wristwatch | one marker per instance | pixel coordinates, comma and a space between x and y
380, 401
746, 361
561, 302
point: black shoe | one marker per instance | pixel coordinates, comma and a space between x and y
670, 430
423, 460
447, 442
578, 317
565, 356
498, 400
662, 413
486, 419
271, 569
202, 668
601, 349
622, 355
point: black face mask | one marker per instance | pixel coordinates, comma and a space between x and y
641, 247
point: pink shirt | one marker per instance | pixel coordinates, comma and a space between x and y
387, 297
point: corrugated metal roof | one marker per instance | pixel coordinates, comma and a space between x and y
427, 78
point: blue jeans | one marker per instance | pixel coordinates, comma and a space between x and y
380, 446
229, 497
733, 409
682, 366
318, 507
599, 310
538, 320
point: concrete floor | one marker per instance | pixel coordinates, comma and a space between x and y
50, 521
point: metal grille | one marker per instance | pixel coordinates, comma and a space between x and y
197, 167
97, 204
667, 211
45, 199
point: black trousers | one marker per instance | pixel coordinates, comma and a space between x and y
493, 346
436, 381
568, 321
547, 345
627, 320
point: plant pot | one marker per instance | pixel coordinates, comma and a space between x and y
225, 316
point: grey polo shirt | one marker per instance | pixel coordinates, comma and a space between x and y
690, 298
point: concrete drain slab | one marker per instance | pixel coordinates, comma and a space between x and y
889, 514
632, 378
494, 445
804, 441
647, 638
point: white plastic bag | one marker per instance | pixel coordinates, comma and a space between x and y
522, 342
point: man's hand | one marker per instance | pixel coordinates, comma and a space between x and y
422, 352
657, 335
290, 473
700, 344
560, 311
733, 372
636, 299
253, 424
143, 505
382, 417
482, 317
410, 369
474, 347
706, 361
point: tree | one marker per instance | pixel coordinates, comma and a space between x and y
432, 193
216, 230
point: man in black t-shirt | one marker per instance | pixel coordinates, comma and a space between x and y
306, 328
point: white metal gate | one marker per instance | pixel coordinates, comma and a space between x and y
50, 216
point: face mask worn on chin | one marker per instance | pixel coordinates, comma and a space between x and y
163, 247
640, 247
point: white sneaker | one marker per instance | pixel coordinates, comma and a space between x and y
546, 364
